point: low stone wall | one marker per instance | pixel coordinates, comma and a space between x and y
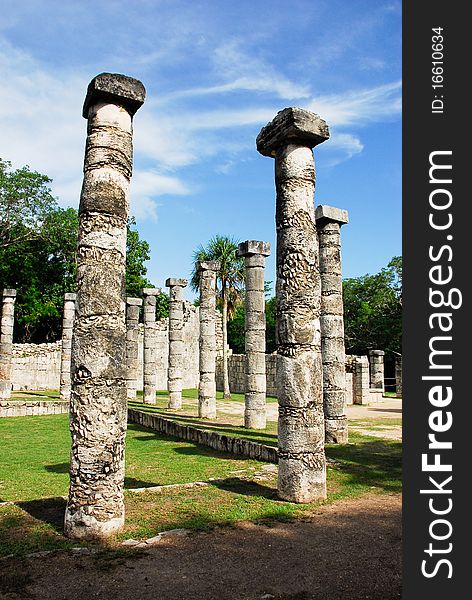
237, 373
27, 408
217, 441
36, 366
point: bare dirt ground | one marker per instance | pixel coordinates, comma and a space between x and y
349, 550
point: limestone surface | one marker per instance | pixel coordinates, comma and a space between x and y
254, 253
150, 346
292, 126
328, 221
376, 360
66, 347
6, 341
133, 306
207, 343
176, 341
290, 137
98, 408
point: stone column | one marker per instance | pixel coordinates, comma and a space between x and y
398, 375
255, 327
361, 383
207, 360
176, 343
376, 360
67, 327
6, 342
150, 346
98, 411
132, 345
290, 137
328, 223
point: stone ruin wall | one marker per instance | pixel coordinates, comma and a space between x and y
38, 366
237, 370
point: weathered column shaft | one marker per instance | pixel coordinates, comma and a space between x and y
98, 411
376, 360
328, 223
132, 345
6, 342
254, 253
398, 376
207, 358
361, 383
150, 346
176, 343
290, 137
66, 348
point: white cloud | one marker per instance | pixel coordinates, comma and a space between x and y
41, 123
145, 186
341, 147
359, 107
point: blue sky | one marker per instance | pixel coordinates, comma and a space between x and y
215, 72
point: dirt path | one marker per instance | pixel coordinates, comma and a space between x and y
349, 550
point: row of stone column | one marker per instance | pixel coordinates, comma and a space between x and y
98, 366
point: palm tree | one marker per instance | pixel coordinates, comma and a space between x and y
229, 285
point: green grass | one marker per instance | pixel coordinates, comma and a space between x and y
192, 393
34, 474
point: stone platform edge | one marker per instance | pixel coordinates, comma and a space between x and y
31, 408
212, 439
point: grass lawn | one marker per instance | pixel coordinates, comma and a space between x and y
34, 474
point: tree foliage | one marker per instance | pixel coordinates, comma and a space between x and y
38, 241
373, 310
236, 331
25, 203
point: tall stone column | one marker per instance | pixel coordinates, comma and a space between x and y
150, 346
132, 342
361, 382
290, 137
328, 223
376, 360
207, 360
67, 328
398, 375
98, 411
176, 341
6, 342
254, 253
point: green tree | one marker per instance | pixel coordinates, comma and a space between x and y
25, 202
38, 241
137, 253
229, 285
373, 310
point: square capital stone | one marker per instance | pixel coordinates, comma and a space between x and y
208, 265
376, 353
9, 293
151, 291
70, 297
173, 281
134, 301
292, 126
250, 247
325, 213
115, 89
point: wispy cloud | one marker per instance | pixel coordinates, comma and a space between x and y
356, 108
41, 125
